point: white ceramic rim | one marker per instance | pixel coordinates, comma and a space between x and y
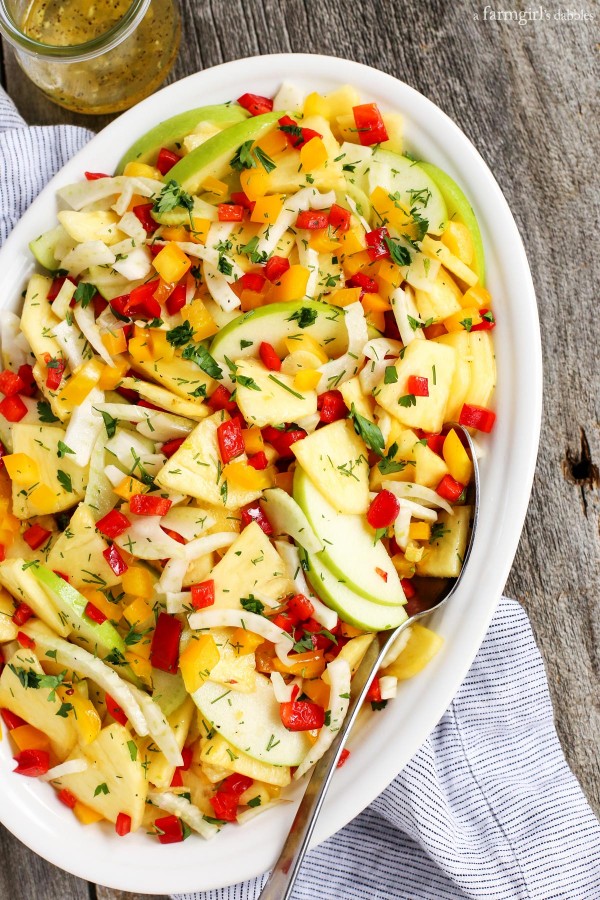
29, 809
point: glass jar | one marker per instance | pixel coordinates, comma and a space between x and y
93, 56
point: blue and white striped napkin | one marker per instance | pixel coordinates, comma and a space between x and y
488, 807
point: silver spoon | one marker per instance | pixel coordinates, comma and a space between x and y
283, 877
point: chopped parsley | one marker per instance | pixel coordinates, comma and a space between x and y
200, 355
45, 413
180, 335
304, 316
64, 479
84, 294
368, 431
252, 605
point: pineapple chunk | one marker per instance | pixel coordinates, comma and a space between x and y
39, 376
114, 781
37, 319
460, 341
426, 359
423, 466
420, 648
352, 393
353, 652
251, 565
483, 369
195, 469
78, 551
444, 558
39, 706
159, 771
98, 225
217, 752
441, 300
180, 376
199, 569
65, 479
18, 580
270, 398
200, 789
335, 459
8, 629
160, 396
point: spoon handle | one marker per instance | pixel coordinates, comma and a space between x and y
281, 880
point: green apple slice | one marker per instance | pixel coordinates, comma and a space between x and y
213, 157
172, 131
278, 321
252, 722
416, 189
286, 517
71, 605
459, 210
350, 606
350, 552
44, 247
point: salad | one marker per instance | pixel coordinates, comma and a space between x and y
228, 456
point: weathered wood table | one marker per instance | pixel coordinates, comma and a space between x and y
526, 95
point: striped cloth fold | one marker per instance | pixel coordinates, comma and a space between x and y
487, 808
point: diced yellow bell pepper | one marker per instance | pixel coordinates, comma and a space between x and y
267, 209
317, 691
251, 300
419, 531
244, 641
458, 240
376, 320
305, 342
174, 233
214, 186
403, 566
456, 458
292, 285
308, 665
43, 498
22, 469
26, 737
10, 523
315, 105
477, 296
86, 718
85, 814
200, 319
100, 601
128, 487
140, 666
243, 477
320, 242
351, 242
172, 263
350, 631
138, 582
392, 211
313, 154
253, 440
375, 303
422, 646
141, 170
356, 262
198, 660
307, 379
200, 230
115, 341
463, 320
139, 612
140, 347
161, 348
112, 375
273, 143
389, 272
337, 103
254, 183
80, 384
344, 296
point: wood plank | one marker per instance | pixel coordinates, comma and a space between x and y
500, 82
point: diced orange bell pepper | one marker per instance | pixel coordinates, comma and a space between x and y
292, 285
139, 613
317, 691
313, 154
241, 476
199, 232
172, 263
285, 480
267, 209
140, 348
307, 379
244, 641
86, 719
253, 440
115, 341
273, 143
22, 468
100, 601
377, 320
389, 273
174, 233
200, 319
86, 815
344, 296
251, 300
26, 737
128, 487
350, 631
477, 296
308, 665
162, 350
198, 660
356, 262
375, 303
419, 531
463, 320
351, 243
138, 582
254, 183
403, 566
139, 665
112, 375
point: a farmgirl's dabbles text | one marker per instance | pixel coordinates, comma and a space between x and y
227, 454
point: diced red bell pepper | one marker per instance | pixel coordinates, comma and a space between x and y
296, 136
170, 447
225, 806
143, 212
472, 416
450, 489
11, 719
408, 588
67, 798
114, 559
10, 383
236, 785
166, 160
364, 282
2, 552
300, 607
176, 780
35, 536
258, 460
149, 505
275, 267
331, 406
145, 404
26, 375
142, 303
25, 641
281, 441
164, 652
255, 104
62, 575
54, 372
382, 573
343, 757
418, 385
252, 281
284, 621
114, 710
241, 199
32, 763
56, 285
123, 824
94, 176
230, 439
384, 510
95, 614
269, 357
169, 830
113, 524
203, 594
22, 613
13, 409
435, 442
176, 299
221, 399
174, 534
488, 321
230, 212
302, 715
370, 126
373, 695
187, 754
377, 247
254, 513
339, 218
312, 220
